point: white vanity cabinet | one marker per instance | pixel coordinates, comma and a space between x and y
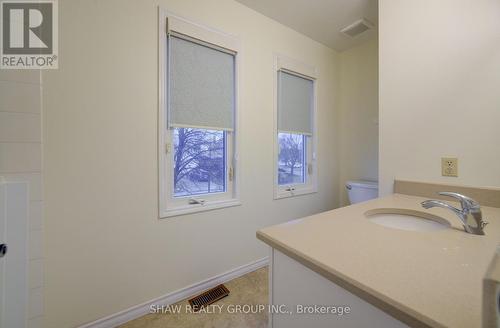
302, 290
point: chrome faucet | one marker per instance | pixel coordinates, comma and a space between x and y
470, 215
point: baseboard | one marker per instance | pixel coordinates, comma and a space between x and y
174, 297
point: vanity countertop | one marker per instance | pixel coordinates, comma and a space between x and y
425, 279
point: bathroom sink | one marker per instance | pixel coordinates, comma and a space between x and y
404, 219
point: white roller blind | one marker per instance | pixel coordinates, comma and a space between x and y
201, 85
295, 103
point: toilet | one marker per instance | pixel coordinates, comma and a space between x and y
361, 190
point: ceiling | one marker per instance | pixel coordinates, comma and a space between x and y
321, 20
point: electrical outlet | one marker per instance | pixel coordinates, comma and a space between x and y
449, 167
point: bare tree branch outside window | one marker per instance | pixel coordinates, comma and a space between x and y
291, 161
199, 161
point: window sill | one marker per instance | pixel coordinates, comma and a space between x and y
298, 192
208, 206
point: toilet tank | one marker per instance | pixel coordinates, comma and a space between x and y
361, 190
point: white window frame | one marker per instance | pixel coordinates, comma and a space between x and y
295, 67
170, 206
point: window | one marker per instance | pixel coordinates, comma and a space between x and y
199, 161
295, 156
291, 159
198, 126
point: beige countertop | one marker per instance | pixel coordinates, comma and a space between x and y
429, 278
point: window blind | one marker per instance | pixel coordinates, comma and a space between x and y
201, 85
295, 103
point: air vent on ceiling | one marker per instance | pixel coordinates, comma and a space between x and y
356, 28
208, 297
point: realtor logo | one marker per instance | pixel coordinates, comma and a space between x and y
29, 34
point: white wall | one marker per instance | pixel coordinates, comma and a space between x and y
106, 249
21, 160
358, 120
439, 90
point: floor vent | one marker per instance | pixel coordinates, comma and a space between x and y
208, 297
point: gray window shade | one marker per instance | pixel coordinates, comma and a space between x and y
295, 103
201, 86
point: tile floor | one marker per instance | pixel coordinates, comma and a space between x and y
250, 289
